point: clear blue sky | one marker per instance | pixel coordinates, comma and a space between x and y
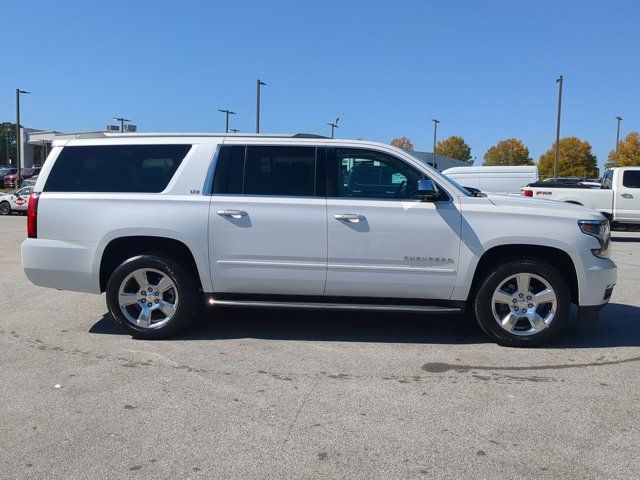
485, 69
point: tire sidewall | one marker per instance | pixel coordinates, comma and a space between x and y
483, 306
183, 281
6, 205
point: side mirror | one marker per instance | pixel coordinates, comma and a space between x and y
427, 191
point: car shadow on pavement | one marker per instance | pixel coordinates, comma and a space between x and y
619, 326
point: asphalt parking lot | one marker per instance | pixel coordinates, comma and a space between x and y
266, 394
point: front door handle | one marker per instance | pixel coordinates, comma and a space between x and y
349, 217
627, 195
232, 213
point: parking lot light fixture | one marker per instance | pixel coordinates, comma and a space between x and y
619, 119
227, 112
121, 120
259, 83
435, 140
18, 137
333, 126
559, 81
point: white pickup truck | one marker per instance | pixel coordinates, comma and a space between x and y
166, 223
618, 199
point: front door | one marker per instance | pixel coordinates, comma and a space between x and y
628, 197
383, 242
268, 221
20, 199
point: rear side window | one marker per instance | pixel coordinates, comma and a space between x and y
115, 168
631, 179
266, 170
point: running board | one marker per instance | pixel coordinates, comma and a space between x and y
334, 306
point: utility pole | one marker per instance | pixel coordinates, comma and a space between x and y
227, 112
333, 126
19, 138
435, 141
259, 83
559, 81
619, 119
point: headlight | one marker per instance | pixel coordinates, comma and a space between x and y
600, 230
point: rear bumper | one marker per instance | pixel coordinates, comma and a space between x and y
60, 264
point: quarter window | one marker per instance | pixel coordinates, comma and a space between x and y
115, 168
631, 179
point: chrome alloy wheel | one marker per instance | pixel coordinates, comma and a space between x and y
148, 298
524, 304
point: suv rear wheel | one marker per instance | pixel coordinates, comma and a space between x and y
152, 297
523, 303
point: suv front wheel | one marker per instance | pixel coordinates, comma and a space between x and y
152, 297
523, 303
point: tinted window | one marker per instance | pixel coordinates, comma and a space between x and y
257, 170
631, 179
371, 174
607, 179
115, 168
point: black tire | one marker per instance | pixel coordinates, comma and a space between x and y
5, 208
185, 283
482, 304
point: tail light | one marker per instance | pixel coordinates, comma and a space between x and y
32, 216
528, 193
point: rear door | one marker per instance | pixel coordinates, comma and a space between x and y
628, 197
268, 226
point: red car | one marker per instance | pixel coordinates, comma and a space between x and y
10, 180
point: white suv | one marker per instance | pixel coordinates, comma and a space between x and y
165, 223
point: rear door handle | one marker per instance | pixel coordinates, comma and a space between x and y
232, 213
627, 195
349, 217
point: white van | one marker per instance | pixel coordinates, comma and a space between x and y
494, 179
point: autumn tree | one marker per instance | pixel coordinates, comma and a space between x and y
455, 147
403, 143
628, 152
575, 159
508, 152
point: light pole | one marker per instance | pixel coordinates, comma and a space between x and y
121, 120
333, 126
435, 140
259, 83
227, 112
19, 138
559, 81
8, 130
619, 119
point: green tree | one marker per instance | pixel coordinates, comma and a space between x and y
575, 159
10, 128
403, 143
628, 152
455, 147
508, 152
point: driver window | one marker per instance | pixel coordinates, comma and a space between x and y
375, 175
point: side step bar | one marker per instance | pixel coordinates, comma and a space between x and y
334, 306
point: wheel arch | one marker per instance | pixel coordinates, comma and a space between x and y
121, 248
558, 258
